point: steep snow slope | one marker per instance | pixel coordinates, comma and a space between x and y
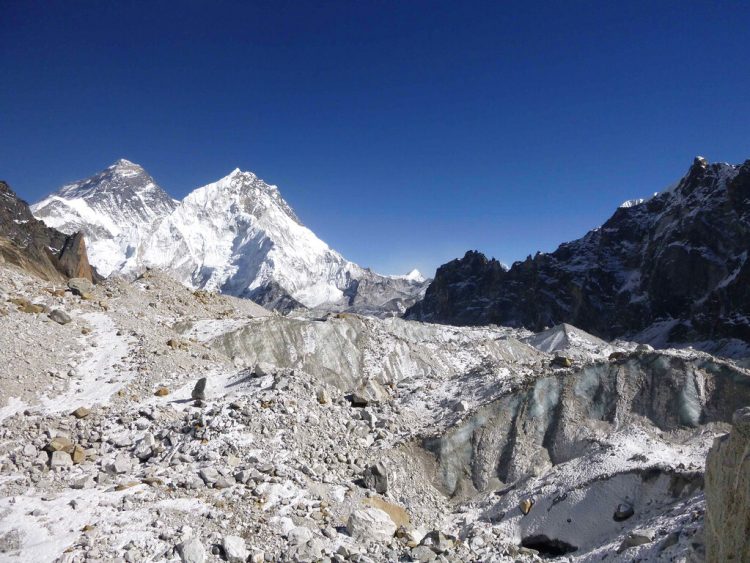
115, 209
236, 235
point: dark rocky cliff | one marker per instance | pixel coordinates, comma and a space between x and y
676, 263
29, 244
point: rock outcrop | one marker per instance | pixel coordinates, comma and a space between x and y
728, 493
675, 264
32, 246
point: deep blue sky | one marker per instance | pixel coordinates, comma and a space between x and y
403, 133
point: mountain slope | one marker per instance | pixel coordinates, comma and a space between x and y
43, 251
236, 235
114, 209
677, 262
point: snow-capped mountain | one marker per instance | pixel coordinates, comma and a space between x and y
115, 209
236, 235
671, 268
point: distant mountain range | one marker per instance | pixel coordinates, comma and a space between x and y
237, 236
673, 268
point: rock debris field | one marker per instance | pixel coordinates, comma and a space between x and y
142, 421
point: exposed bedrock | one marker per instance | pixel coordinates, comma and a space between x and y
728, 494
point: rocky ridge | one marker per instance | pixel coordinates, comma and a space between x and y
669, 269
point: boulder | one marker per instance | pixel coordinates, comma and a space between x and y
81, 412
60, 317
370, 524
60, 459
191, 551
376, 478
199, 391
59, 443
235, 550
80, 286
78, 455
636, 538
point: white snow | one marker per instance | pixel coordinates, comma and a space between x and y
235, 235
98, 377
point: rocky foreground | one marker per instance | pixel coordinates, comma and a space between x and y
146, 422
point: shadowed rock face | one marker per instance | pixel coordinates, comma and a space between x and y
681, 255
29, 244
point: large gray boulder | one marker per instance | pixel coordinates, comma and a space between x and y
370, 524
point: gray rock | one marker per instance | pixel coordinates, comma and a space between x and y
60, 459
121, 464
199, 391
370, 524
299, 535
60, 317
422, 553
235, 549
623, 512
222, 483
438, 542
376, 478
636, 538
191, 551
144, 448
209, 475
80, 286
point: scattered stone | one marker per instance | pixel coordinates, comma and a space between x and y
370, 524
525, 505
191, 551
376, 478
438, 542
299, 535
561, 362
323, 397
161, 392
80, 286
60, 458
78, 455
235, 550
60, 316
623, 512
59, 443
199, 391
636, 538
358, 401
422, 553
144, 448
81, 412
209, 475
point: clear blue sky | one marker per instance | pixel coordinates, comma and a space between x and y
403, 133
